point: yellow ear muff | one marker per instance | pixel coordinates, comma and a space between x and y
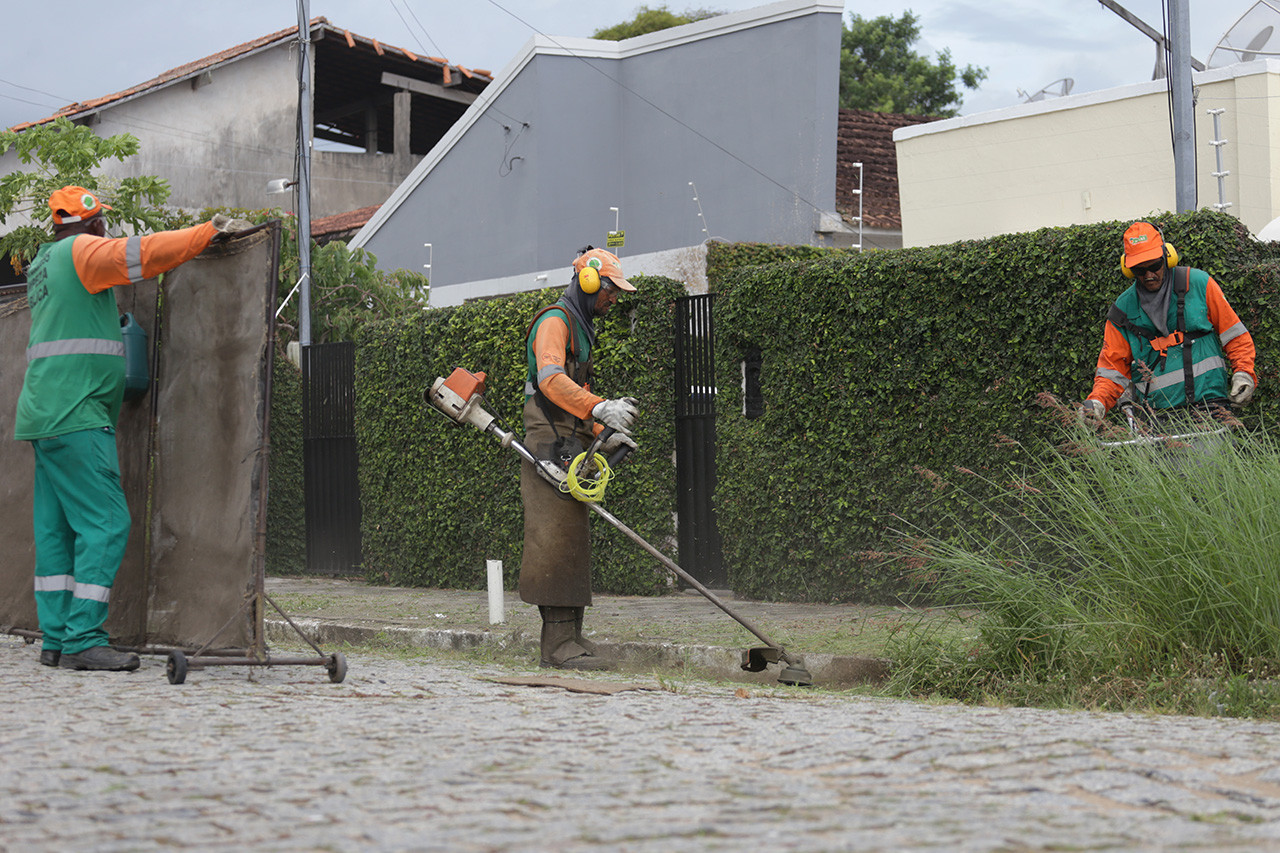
1170, 257
589, 276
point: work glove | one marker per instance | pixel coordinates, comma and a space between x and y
1092, 412
620, 414
226, 226
1241, 388
615, 441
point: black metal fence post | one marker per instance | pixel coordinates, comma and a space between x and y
330, 472
697, 534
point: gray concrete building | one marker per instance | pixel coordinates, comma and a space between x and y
720, 129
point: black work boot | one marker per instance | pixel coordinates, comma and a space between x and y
560, 647
49, 657
100, 658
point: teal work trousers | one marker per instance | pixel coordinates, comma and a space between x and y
81, 526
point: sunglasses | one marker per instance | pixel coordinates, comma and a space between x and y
1148, 268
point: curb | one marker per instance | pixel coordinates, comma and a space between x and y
827, 670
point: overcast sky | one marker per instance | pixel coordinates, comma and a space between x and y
59, 53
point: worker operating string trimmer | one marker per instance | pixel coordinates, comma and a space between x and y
573, 438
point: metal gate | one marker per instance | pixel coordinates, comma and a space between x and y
695, 392
332, 490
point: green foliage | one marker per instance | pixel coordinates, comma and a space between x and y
650, 20
66, 154
886, 373
880, 72
1120, 565
286, 506
438, 500
347, 288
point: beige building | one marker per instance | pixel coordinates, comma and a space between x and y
1092, 157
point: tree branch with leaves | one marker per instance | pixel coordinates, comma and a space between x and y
66, 154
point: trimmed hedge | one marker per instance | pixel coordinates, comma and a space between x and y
884, 371
286, 502
439, 500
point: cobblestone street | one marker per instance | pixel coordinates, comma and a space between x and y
429, 755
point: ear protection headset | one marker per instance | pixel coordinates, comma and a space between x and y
589, 275
1170, 255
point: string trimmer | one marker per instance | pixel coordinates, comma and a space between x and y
461, 398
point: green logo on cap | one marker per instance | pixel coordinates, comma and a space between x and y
88, 202
1141, 238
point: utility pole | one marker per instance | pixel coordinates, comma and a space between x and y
304, 173
1184, 155
1177, 47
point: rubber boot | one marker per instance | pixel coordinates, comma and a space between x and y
577, 632
560, 647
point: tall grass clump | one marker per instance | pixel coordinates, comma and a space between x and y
1131, 570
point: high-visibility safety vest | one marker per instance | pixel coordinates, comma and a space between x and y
75, 354
1189, 361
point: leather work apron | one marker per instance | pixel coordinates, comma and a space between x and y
555, 569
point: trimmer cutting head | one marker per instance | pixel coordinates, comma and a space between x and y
796, 676
758, 658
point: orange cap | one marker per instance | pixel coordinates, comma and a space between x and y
610, 267
1142, 243
74, 204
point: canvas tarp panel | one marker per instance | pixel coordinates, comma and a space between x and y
197, 443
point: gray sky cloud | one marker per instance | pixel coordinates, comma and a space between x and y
80, 50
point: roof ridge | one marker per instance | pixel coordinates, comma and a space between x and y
189, 68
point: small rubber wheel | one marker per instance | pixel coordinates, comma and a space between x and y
176, 667
337, 667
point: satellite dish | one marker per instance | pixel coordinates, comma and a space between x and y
1056, 89
1256, 35
1270, 232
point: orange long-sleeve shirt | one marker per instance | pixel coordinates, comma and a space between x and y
549, 347
103, 262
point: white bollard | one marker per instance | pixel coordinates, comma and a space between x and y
497, 605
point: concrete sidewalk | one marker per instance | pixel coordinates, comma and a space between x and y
680, 631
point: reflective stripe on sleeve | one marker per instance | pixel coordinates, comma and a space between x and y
1114, 375
1234, 332
133, 259
75, 346
549, 370
92, 592
55, 583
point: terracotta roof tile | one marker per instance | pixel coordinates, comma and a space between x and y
340, 222
866, 137
198, 65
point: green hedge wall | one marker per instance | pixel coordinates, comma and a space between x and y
439, 500
286, 505
884, 371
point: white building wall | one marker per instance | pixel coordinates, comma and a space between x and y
1095, 157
